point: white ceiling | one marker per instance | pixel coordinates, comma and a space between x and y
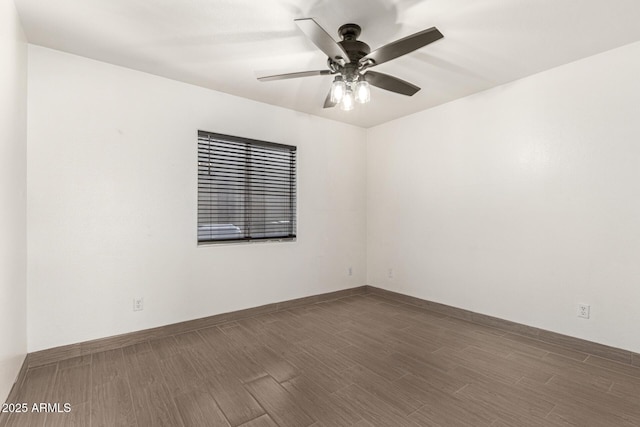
225, 44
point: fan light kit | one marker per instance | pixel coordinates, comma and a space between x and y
344, 92
350, 60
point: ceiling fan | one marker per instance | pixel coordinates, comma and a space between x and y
350, 60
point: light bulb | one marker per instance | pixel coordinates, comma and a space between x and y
338, 89
363, 93
347, 101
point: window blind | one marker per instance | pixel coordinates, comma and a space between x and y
246, 189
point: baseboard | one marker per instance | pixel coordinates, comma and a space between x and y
56, 354
612, 353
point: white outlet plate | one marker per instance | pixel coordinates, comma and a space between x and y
390, 273
584, 311
350, 271
138, 304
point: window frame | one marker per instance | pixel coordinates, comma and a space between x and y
248, 191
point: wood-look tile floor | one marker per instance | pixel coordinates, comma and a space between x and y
358, 361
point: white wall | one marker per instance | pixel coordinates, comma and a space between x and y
13, 175
112, 203
519, 202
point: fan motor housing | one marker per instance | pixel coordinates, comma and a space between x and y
350, 43
355, 49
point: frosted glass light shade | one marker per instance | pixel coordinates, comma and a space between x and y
347, 101
363, 92
338, 90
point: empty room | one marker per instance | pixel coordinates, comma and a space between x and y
327, 213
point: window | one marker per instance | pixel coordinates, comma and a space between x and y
246, 189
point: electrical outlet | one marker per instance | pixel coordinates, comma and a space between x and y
350, 271
390, 273
138, 304
584, 310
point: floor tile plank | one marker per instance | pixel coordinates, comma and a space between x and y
262, 421
374, 410
326, 408
79, 416
111, 404
278, 403
234, 400
390, 392
198, 408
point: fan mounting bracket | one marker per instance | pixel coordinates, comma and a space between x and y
349, 31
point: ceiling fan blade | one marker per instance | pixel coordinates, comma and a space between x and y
295, 75
322, 39
328, 103
390, 83
403, 46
